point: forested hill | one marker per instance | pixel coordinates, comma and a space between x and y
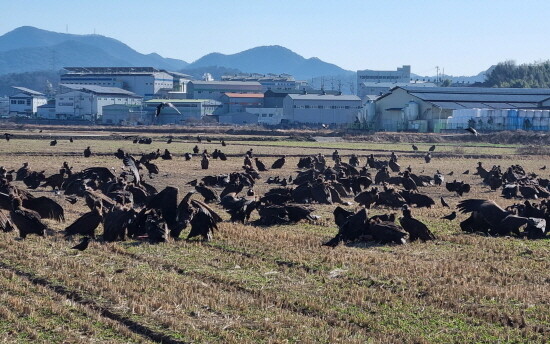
509, 74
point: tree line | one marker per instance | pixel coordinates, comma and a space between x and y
529, 75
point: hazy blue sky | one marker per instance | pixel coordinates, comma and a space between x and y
463, 36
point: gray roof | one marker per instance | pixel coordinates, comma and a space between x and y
478, 90
476, 105
28, 91
482, 97
99, 89
230, 83
323, 97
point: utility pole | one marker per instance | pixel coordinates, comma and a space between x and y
437, 74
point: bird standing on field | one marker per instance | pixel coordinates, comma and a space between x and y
87, 152
450, 217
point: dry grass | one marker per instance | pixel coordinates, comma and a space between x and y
277, 284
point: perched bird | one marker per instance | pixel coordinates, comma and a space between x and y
543, 168
444, 203
279, 163
260, 165
414, 147
466, 172
163, 105
71, 139
451, 173
450, 217
472, 130
169, 140
53, 142
432, 148
223, 143
196, 149
8, 136
82, 245
87, 152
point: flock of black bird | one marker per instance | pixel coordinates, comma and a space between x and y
128, 207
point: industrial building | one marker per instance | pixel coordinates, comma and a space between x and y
371, 90
274, 82
122, 114
87, 101
238, 102
26, 101
47, 111
321, 108
216, 89
275, 98
190, 109
147, 82
428, 108
4, 106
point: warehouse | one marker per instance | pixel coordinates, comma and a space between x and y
87, 101
321, 108
216, 89
26, 101
190, 110
427, 108
238, 102
147, 82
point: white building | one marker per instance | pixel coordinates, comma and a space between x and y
189, 110
322, 108
147, 82
268, 116
87, 101
401, 75
26, 101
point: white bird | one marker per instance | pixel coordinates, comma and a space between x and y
472, 130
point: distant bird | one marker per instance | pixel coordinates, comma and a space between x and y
466, 172
543, 168
472, 130
163, 105
87, 152
414, 148
53, 142
8, 136
428, 158
82, 245
169, 140
199, 139
208, 140
187, 156
71, 139
451, 173
432, 148
223, 143
444, 203
450, 217
196, 149
260, 165
325, 126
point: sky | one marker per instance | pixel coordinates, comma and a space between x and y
463, 37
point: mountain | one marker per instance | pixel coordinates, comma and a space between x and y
271, 59
28, 49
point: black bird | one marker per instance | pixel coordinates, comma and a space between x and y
543, 168
8, 136
53, 142
472, 130
260, 165
415, 228
82, 245
450, 217
451, 173
163, 105
432, 148
71, 139
199, 139
169, 140
196, 149
466, 172
223, 143
444, 203
414, 148
279, 163
87, 152
428, 158
187, 156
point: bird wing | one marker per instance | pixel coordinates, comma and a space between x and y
129, 161
491, 212
46, 207
86, 224
173, 107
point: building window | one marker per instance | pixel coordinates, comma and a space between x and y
28, 102
14, 102
21, 102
